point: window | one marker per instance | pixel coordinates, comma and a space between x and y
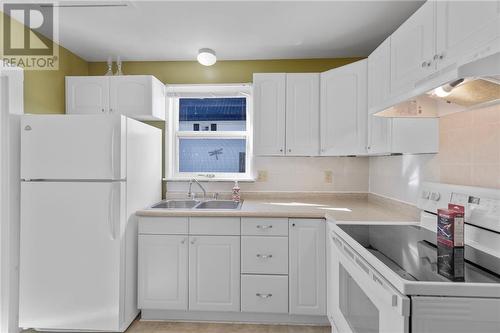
209, 133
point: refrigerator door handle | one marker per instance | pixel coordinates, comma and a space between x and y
112, 152
111, 213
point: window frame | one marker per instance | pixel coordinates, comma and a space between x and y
173, 134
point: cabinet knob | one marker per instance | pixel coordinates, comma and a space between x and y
193, 240
426, 64
263, 295
281, 150
102, 110
441, 56
289, 150
183, 241
293, 224
110, 110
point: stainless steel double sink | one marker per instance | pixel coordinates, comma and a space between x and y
197, 204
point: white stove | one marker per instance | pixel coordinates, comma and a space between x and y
383, 276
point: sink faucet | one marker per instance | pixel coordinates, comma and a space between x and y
190, 193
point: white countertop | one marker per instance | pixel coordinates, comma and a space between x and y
341, 207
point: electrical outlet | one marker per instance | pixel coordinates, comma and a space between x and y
262, 175
328, 176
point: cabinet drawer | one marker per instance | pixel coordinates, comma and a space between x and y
264, 255
264, 293
214, 226
258, 226
163, 225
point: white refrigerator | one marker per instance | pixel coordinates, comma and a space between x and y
82, 179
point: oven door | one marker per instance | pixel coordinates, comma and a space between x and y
362, 300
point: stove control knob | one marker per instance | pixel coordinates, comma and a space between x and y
435, 196
425, 195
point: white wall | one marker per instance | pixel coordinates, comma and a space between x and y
299, 174
399, 177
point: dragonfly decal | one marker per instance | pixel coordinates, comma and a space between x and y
216, 153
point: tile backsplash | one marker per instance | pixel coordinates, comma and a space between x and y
299, 174
469, 148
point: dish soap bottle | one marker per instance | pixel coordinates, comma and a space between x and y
236, 192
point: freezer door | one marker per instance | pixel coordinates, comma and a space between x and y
73, 147
70, 255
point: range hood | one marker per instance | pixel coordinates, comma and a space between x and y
471, 86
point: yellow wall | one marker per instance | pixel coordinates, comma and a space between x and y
44, 90
235, 71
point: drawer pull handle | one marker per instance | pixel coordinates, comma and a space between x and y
264, 256
264, 227
263, 295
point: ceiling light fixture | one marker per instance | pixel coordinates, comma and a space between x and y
206, 57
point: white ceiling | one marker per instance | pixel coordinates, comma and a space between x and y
175, 30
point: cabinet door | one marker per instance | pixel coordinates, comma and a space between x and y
465, 28
87, 94
412, 49
131, 95
379, 75
302, 114
343, 110
307, 267
269, 113
163, 272
379, 135
214, 273
379, 71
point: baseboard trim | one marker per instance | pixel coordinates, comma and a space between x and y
233, 317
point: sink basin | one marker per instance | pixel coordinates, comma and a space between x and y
219, 204
179, 204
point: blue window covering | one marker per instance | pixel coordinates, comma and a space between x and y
207, 109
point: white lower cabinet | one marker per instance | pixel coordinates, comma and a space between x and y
214, 273
163, 267
264, 293
273, 266
307, 267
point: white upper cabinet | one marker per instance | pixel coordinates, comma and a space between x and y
379, 135
343, 110
379, 69
214, 273
466, 30
302, 114
269, 113
379, 74
286, 114
87, 95
413, 47
414, 135
307, 279
137, 96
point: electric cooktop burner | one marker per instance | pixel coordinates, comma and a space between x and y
410, 252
